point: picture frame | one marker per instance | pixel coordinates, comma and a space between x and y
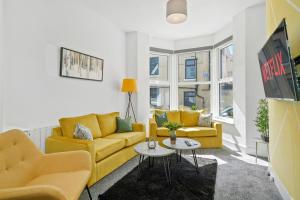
74, 64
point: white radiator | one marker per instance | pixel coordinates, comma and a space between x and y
39, 135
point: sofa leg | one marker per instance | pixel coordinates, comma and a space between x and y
88, 190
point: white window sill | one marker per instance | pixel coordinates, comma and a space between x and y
224, 120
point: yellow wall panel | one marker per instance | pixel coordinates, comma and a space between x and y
285, 115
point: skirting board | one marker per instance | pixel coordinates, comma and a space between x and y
281, 188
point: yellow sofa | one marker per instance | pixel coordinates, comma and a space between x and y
109, 150
28, 174
209, 137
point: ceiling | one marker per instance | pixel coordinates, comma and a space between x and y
148, 16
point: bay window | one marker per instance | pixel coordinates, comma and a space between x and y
192, 81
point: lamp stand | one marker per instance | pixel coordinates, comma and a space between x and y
130, 106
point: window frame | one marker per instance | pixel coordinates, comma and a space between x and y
220, 81
160, 83
195, 82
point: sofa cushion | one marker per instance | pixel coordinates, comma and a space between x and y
172, 115
130, 138
108, 123
164, 132
124, 125
71, 183
205, 120
161, 119
83, 133
106, 147
198, 131
189, 118
90, 121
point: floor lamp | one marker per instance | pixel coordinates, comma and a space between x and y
129, 86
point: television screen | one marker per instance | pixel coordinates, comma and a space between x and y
277, 66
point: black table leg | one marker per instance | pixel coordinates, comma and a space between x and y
169, 167
89, 193
195, 160
180, 155
141, 158
166, 167
152, 162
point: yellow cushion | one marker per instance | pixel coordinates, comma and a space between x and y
106, 147
130, 138
71, 183
189, 118
174, 116
164, 132
90, 121
108, 123
198, 131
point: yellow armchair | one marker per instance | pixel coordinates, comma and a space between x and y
26, 173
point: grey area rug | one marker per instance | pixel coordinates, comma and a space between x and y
151, 184
236, 179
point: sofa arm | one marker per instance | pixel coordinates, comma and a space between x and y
138, 127
37, 192
60, 144
152, 128
64, 162
218, 127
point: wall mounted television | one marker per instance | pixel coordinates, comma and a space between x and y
278, 71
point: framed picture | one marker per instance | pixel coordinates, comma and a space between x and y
74, 64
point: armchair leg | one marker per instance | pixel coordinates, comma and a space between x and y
88, 190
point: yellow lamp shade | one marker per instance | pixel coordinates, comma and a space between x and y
129, 85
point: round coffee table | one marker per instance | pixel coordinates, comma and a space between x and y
159, 152
180, 146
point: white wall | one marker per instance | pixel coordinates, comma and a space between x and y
239, 77
137, 61
223, 33
161, 43
248, 37
35, 30
194, 42
254, 87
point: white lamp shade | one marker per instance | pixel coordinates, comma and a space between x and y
176, 11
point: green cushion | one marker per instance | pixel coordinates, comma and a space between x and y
124, 125
161, 119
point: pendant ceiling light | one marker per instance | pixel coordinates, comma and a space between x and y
176, 11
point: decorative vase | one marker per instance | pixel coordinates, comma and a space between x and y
173, 137
265, 138
151, 143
